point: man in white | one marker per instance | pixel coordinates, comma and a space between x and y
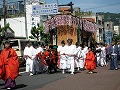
35, 59
28, 53
40, 49
63, 60
79, 57
85, 51
98, 54
71, 53
103, 55
40, 64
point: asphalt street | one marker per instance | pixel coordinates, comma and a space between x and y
102, 79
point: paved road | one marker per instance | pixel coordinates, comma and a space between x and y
104, 79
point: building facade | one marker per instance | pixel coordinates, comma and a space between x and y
17, 24
99, 21
116, 29
109, 31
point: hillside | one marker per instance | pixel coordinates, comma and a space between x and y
111, 16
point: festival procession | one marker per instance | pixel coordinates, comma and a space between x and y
59, 41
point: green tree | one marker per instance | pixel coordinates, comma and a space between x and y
2, 32
3, 29
39, 34
36, 31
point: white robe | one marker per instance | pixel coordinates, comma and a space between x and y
79, 58
40, 49
85, 51
103, 56
28, 51
98, 56
63, 59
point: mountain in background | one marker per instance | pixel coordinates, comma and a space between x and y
114, 17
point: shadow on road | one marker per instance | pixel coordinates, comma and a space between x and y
1, 84
20, 86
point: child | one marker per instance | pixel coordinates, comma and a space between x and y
90, 61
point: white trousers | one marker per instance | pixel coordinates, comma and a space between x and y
71, 64
103, 61
80, 63
98, 60
29, 65
63, 62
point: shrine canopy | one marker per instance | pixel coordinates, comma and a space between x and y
60, 20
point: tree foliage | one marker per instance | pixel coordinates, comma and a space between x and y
37, 31
111, 16
39, 34
3, 29
116, 38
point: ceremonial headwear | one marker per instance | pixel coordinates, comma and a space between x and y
70, 40
7, 42
62, 42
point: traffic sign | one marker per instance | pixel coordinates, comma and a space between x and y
45, 9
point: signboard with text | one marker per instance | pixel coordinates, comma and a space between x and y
45, 9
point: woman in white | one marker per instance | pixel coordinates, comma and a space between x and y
28, 53
63, 60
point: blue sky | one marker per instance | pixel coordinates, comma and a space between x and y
112, 6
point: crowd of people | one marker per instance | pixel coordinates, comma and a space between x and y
66, 57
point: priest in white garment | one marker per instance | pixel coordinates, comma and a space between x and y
63, 60
71, 54
28, 53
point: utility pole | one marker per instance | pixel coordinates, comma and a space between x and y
4, 11
57, 2
25, 19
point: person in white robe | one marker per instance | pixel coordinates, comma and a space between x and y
28, 53
85, 51
79, 57
63, 60
71, 53
103, 55
98, 54
35, 59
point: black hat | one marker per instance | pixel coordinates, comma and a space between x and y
70, 40
35, 44
7, 42
62, 42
